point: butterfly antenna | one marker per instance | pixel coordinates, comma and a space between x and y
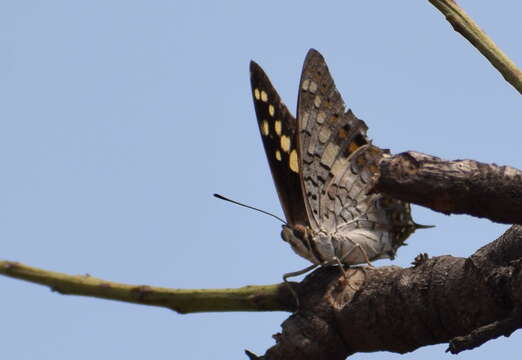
249, 207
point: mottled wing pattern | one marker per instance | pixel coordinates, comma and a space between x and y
328, 136
280, 135
339, 164
389, 220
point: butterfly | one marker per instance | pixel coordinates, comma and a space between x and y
323, 166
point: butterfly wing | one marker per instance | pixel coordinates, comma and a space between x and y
380, 223
328, 135
338, 164
279, 134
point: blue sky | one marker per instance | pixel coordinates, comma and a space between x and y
121, 118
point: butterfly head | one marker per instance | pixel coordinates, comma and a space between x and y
294, 234
301, 238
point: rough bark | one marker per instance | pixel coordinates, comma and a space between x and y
461, 301
454, 187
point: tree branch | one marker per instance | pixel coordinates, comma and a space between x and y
444, 299
458, 187
487, 332
463, 302
463, 24
248, 298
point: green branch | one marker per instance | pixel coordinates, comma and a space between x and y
463, 24
248, 298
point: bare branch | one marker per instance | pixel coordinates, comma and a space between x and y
487, 332
444, 299
465, 25
458, 187
441, 300
248, 298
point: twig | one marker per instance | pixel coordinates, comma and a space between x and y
485, 333
463, 24
248, 298
453, 187
465, 301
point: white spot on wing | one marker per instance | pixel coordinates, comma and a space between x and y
313, 87
271, 110
285, 143
324, 134
339, 166
329, 154
293, 161
264, 128
321, 117
277, 126
264, 96
317, 101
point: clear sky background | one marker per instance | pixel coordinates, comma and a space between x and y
119, 119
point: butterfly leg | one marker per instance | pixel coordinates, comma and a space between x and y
358, 247
346, 277
337, 261
294, 274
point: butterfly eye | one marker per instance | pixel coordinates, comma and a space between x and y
299, 231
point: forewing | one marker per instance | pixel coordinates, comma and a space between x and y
328, 135
279, 134
339, 166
